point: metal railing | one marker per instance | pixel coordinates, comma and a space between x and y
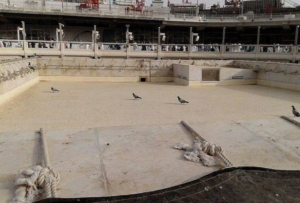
26, 48
143, 47
276, 48
240, 48
175, 47
11, 44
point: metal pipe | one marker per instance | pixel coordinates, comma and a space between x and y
191, 36
296, 35
158, 36
127, 33
94, 34
24, 31
18, 33
60, 30
223, 38
56, 34
242, 8
258, 35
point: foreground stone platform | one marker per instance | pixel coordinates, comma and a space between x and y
141, 158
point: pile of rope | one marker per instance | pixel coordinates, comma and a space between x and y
33, 183
201, 151
207, 148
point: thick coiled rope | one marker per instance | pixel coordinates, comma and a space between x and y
208, 148
38, 180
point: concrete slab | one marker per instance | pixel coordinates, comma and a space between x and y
141, 133
247, 143
141, 158
137, 159
88, 105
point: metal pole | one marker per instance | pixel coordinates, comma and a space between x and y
24, 31
296, 35
60, 31
127, 33
191, 36
94, 34
258, 35
242, 8
158, 36
18, 33
60, 35
56, 35
62, 5
223, 38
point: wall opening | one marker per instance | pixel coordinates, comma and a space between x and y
142, 79
210, 75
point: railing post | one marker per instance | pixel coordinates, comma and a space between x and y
223, 50
258, 35
191, 42
257, 48
25, 48
158, 51
296, 35
158, 44
294, 53
95, 50
62, 49
127, 50
223, 38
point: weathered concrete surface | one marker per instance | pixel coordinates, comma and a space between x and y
137, 159
244, 120
84, 105
106, 70
16, 77
113, 70
192, 75
280, 75
272, 143
141, 158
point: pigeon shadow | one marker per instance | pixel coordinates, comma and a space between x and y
133, 99
48, 91
175, 103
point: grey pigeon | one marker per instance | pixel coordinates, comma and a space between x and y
295, 112
136, 97
181, 100
54, 89
32, 56
31, 67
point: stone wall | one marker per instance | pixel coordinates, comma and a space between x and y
105, 70
280, 75
15, 77
192, 74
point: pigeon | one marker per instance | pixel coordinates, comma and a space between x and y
181, 100
31, 67
54, 89
136, 97
32, 56
295, 112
